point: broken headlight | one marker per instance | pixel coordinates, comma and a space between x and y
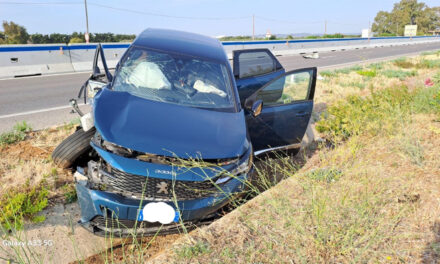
111, 147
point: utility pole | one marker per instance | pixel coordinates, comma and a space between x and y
325, 27
87, 37
253, 27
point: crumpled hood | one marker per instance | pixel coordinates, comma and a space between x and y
168, 129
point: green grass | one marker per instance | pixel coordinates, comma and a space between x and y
349, 69
435, 52
20, 204
360, 85
191, 251
327, 73
367, 73
428, 64
18, 133
376, 66
403, 63
400, 74
382, 112
69, 192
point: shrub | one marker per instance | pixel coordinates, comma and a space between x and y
401, 75
69, 193
376, 66
403, 63
18, 133
374, 114
349, 69
429, 64
18, 205
367, 73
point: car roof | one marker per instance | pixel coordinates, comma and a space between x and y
183, 43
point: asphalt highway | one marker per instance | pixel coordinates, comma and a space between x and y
42, 101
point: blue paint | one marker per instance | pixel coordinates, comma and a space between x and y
169, 129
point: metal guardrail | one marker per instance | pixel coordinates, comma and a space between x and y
22, 60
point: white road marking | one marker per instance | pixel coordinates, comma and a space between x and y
44, 75
38, 111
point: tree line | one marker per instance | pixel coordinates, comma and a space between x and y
407, 12
15, 34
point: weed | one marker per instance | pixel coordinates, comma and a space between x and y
376, 66
327, 73
436, 78
18, 205
403, 63
18, 133
69, 193
428, 64
412, 148
191, 251
367, 73
434, 52
360, 85
400, 74
426, 100
356, 115
349, 69
324, 174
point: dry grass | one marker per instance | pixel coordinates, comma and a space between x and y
370, 198
29, 163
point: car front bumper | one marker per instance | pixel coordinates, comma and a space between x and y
97, 205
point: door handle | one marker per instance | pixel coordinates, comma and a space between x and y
302, 114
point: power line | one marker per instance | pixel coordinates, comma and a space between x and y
168, 16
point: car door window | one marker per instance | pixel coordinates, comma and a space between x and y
255, 63
287, 89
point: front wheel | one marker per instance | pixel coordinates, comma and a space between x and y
74, 146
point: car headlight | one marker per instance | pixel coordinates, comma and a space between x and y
93, 87
87, 121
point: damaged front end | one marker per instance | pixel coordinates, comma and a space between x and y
122, 194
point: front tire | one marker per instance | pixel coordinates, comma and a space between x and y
74, 146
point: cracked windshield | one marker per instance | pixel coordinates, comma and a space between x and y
174, 79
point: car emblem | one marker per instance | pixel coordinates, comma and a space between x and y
163, 187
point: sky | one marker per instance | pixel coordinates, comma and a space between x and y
208, 17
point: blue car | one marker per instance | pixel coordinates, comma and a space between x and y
173, 132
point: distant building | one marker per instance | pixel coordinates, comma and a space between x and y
268, 34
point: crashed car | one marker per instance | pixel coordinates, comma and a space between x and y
174, 101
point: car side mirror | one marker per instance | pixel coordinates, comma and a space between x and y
256, 108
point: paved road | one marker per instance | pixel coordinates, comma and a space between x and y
43, 100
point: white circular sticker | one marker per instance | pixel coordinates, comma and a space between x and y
158, 212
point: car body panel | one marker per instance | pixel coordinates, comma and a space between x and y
281, 125
190, 44
248, 85
137, 167
93, 201
169, 129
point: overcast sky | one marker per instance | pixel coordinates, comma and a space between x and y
209, 17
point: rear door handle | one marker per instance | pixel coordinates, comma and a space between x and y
302, 114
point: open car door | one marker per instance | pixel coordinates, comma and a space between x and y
278, 113
97, 79
253, 68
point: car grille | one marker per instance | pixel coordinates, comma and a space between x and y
112, 223
158, 189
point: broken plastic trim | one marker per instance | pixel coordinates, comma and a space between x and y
158, 159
